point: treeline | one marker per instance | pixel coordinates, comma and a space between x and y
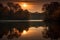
52, 11
11, 11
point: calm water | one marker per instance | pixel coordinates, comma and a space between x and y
32, 34
23, 30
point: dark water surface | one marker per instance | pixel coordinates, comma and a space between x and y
23, 30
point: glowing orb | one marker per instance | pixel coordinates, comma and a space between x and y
24, 5
24, 32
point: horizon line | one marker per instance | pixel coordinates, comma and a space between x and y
21, 20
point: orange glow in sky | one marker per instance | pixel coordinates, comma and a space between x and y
32, 7
24, 5
24, 32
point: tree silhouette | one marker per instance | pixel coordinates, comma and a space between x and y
53, 16
50, 8
8, 29
13, 12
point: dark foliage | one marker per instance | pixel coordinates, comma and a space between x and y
13, 12
53, 20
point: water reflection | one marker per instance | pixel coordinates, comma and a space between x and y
21, 30
53, 31
33, 34
14, 29
26, 31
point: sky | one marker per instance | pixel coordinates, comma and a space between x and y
32, 5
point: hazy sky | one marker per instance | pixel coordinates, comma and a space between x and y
33, 5
36, 6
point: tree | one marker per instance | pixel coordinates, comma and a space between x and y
13, 12
53, 15
50, 8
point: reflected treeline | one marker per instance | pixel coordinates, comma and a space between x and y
13, 29
52, 11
